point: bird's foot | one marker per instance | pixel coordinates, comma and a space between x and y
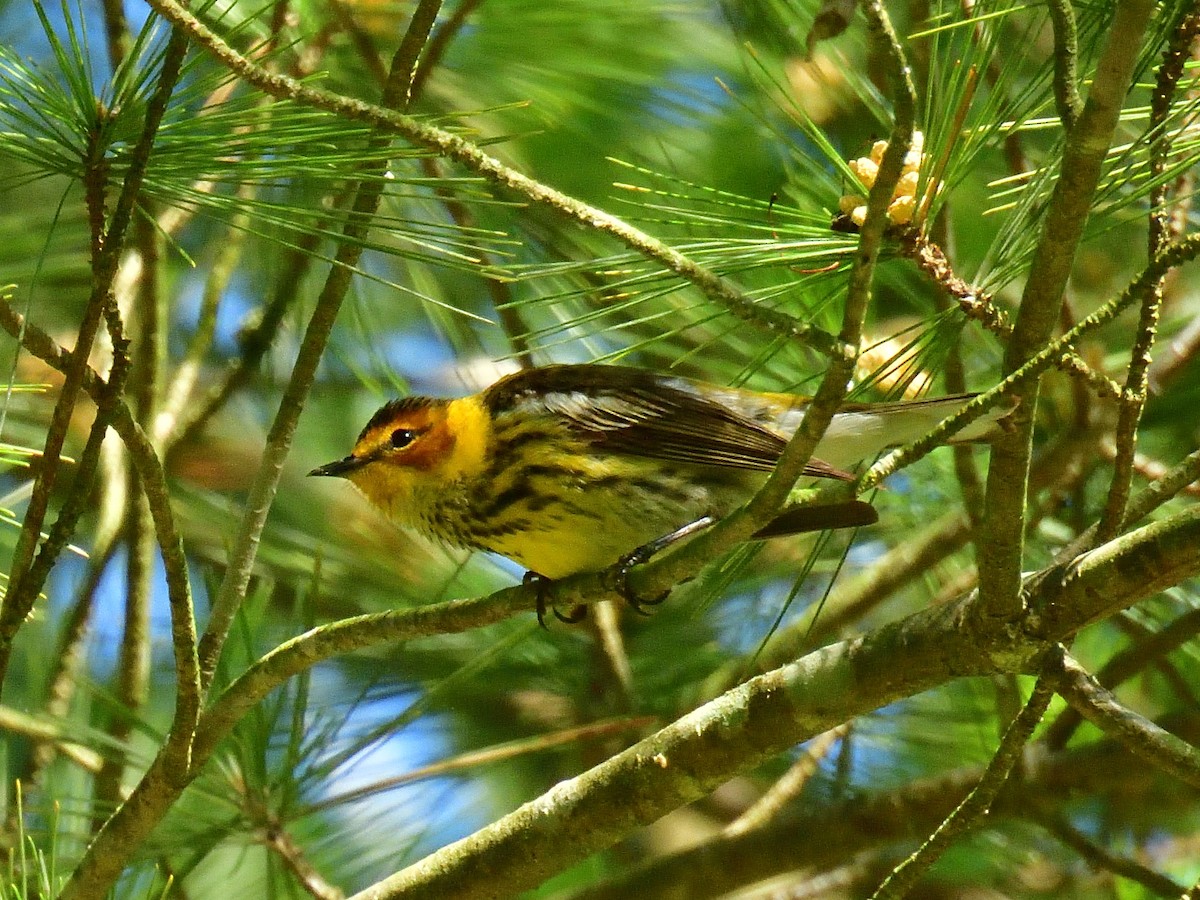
645, 553
541, 585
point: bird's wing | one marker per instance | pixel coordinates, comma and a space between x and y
822, 517
632, 411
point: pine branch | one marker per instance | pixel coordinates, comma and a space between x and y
472, 158
1002, 544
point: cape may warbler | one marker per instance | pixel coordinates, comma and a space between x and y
573, 468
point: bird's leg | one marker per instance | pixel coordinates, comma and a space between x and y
634, 557
541, 583
645, 553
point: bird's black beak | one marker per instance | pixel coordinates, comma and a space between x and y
339, 468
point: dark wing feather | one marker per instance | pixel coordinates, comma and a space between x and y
624, 410
797, 519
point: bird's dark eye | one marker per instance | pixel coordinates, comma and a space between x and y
402, 437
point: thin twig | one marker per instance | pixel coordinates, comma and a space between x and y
981, 307
522, 747
142, 303
108, 241
67, 657
275, 837
1155, 495
977, 803
46, 730
361, 39
254, 344
439, 43
1176, 254
18, 600
1177, 682
970, 483
402, 76
853, 598
1146, 467
178, 393
453, 147
1166, 486
1066, 55
609, 642
788, 787
1133, 398
460, 213
173, 756
1100, 858
116, 32
1149, 741
498, 290
150, 471
132, 676
312, 348
1174, 357
78, 499
1124, 666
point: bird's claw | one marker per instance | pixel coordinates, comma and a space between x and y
645, 553
541, 584
624, 567
577, 614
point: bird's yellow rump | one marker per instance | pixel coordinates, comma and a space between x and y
570, 468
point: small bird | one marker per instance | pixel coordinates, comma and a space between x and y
574, 468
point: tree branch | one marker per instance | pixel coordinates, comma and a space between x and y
1148, 740
312, 348
877, 821
977, 803
451, 146
1174, 255
767, 714
1066, 54
1100, 858
1002, 546
1133, 397
107, 242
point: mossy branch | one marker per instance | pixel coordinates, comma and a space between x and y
870, 823
1149, 741
752, 722
1002, 548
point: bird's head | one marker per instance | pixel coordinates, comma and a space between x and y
412, 449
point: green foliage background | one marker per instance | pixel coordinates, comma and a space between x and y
709, 126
